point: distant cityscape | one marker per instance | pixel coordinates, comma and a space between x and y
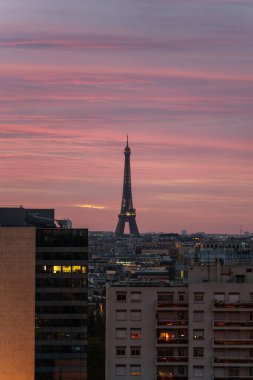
102, 305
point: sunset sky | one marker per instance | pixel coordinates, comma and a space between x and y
176, 75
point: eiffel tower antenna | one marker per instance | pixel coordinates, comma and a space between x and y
127, 212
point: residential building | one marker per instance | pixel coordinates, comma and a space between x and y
200, 331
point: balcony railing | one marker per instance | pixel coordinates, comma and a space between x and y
172, 341
233, 342
233, 324
232, 305
245, 360
171, 304
176, 322
172, 359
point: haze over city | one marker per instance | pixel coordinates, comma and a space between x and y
76, 77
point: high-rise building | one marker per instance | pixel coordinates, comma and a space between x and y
61, 304
17, 303
200, 331
58, 261
127, 212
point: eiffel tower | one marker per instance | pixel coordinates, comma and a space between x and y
127, 212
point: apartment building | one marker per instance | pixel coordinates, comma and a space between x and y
200, 331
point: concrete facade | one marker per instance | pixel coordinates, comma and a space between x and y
200, 331
17, 300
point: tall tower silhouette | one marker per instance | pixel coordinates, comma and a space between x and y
127, 212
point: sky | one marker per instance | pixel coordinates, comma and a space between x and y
175, 75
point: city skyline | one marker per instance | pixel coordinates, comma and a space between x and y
175, 75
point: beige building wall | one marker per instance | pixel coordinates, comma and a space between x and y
17, 303
203, 331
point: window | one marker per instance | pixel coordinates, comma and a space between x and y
180, 315
135, 369
233, 371
251, 297
181, 352
199, 297
198, 371
135, 351
181, 370
240, 278
165, 297
198, 334
121, 296
135, 333
181, 333
120, 370
198, 316
219, 297
233, 297
76, 269
165, 336
121, 333
66, 269
181, 297
165, 351
120, 351
69, 269
121, 315
135, 296
198, 352
135, 315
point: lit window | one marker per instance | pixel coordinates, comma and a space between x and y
120, 370
84, 269
135, 333
57, 269
165, 336
135, 370
198, 334
76, 269
66, 269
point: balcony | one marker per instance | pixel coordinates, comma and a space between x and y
226, 306
233, 324
222, 362
172, 341
172, 359
233, 343
171, 305
169, 323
